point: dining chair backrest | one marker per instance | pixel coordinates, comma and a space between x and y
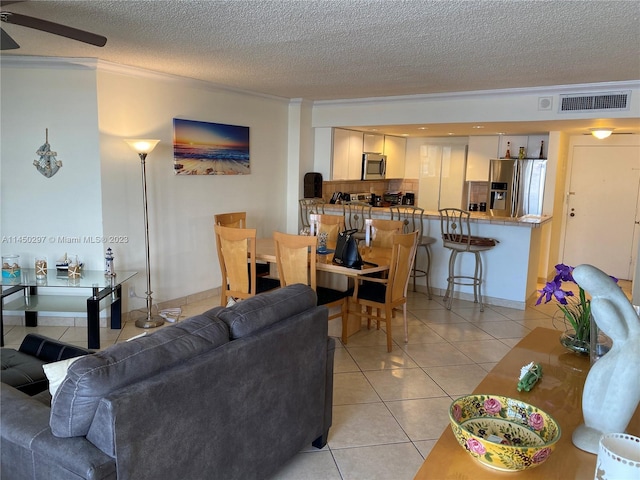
309, 206
356, 214
295, 264
381, 295
329, 224
411, 216
379, 232
236, 247
403, 255
235, 219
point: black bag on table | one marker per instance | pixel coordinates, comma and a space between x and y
347, 254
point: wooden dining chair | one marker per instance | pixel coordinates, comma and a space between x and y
239, 220
380, 232
329, 224
235, 219
296, 260
237, 247
386, 294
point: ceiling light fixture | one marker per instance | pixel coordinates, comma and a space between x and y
601, 133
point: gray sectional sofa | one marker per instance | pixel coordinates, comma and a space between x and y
230, 394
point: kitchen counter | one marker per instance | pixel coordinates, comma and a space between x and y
531, 221
511, 269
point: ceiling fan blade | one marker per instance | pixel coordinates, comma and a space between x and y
6, 42
54, 28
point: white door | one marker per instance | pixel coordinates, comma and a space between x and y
602, 209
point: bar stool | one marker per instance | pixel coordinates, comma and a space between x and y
357, 213
456, 235
412, 217
309, 206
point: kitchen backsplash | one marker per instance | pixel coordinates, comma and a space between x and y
379, 187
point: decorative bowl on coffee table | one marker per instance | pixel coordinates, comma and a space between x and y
503, 433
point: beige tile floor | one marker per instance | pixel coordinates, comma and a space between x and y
389, 408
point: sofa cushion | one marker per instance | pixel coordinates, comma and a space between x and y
262, 310
22, 371
95, 376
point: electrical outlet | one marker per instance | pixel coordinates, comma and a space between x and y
132, 292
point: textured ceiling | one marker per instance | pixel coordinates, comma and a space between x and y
323, 50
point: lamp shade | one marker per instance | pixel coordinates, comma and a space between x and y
601, 133
142, 145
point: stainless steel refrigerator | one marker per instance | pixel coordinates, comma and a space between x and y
516, 186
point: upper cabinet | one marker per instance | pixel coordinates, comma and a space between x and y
395, 149
531, 144
373, 143
484, 148
481, 150
347, 154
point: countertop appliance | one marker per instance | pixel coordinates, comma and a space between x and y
409, 198
392, 198
358, 197
376, 200
516, 186
374, 166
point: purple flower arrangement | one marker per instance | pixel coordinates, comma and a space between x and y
577, 312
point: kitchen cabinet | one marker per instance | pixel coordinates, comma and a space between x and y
373, 143
395, 148
442, 176
347, 154
481, 149
516, 141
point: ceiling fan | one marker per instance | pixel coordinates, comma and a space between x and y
8, 43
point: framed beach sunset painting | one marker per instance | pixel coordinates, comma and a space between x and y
203, 148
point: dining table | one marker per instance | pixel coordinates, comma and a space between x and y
375, 260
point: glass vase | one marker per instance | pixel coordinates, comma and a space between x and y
570, 342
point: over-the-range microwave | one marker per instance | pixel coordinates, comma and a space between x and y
374, 166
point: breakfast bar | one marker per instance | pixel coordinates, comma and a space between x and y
510, 269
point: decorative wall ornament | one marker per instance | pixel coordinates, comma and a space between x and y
47, 165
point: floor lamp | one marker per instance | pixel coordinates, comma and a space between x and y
142, 147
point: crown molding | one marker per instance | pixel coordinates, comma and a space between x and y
25, 61
71, 63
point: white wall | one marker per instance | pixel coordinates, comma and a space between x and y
98, 191
181, 208
52, 211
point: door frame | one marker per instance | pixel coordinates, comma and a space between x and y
582, 141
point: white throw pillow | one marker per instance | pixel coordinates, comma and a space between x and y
56, 373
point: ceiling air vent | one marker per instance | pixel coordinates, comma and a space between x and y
606, 101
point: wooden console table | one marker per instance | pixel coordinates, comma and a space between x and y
559, 393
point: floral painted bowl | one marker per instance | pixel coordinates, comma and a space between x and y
503, 433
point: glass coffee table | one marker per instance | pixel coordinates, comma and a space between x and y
89, 293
